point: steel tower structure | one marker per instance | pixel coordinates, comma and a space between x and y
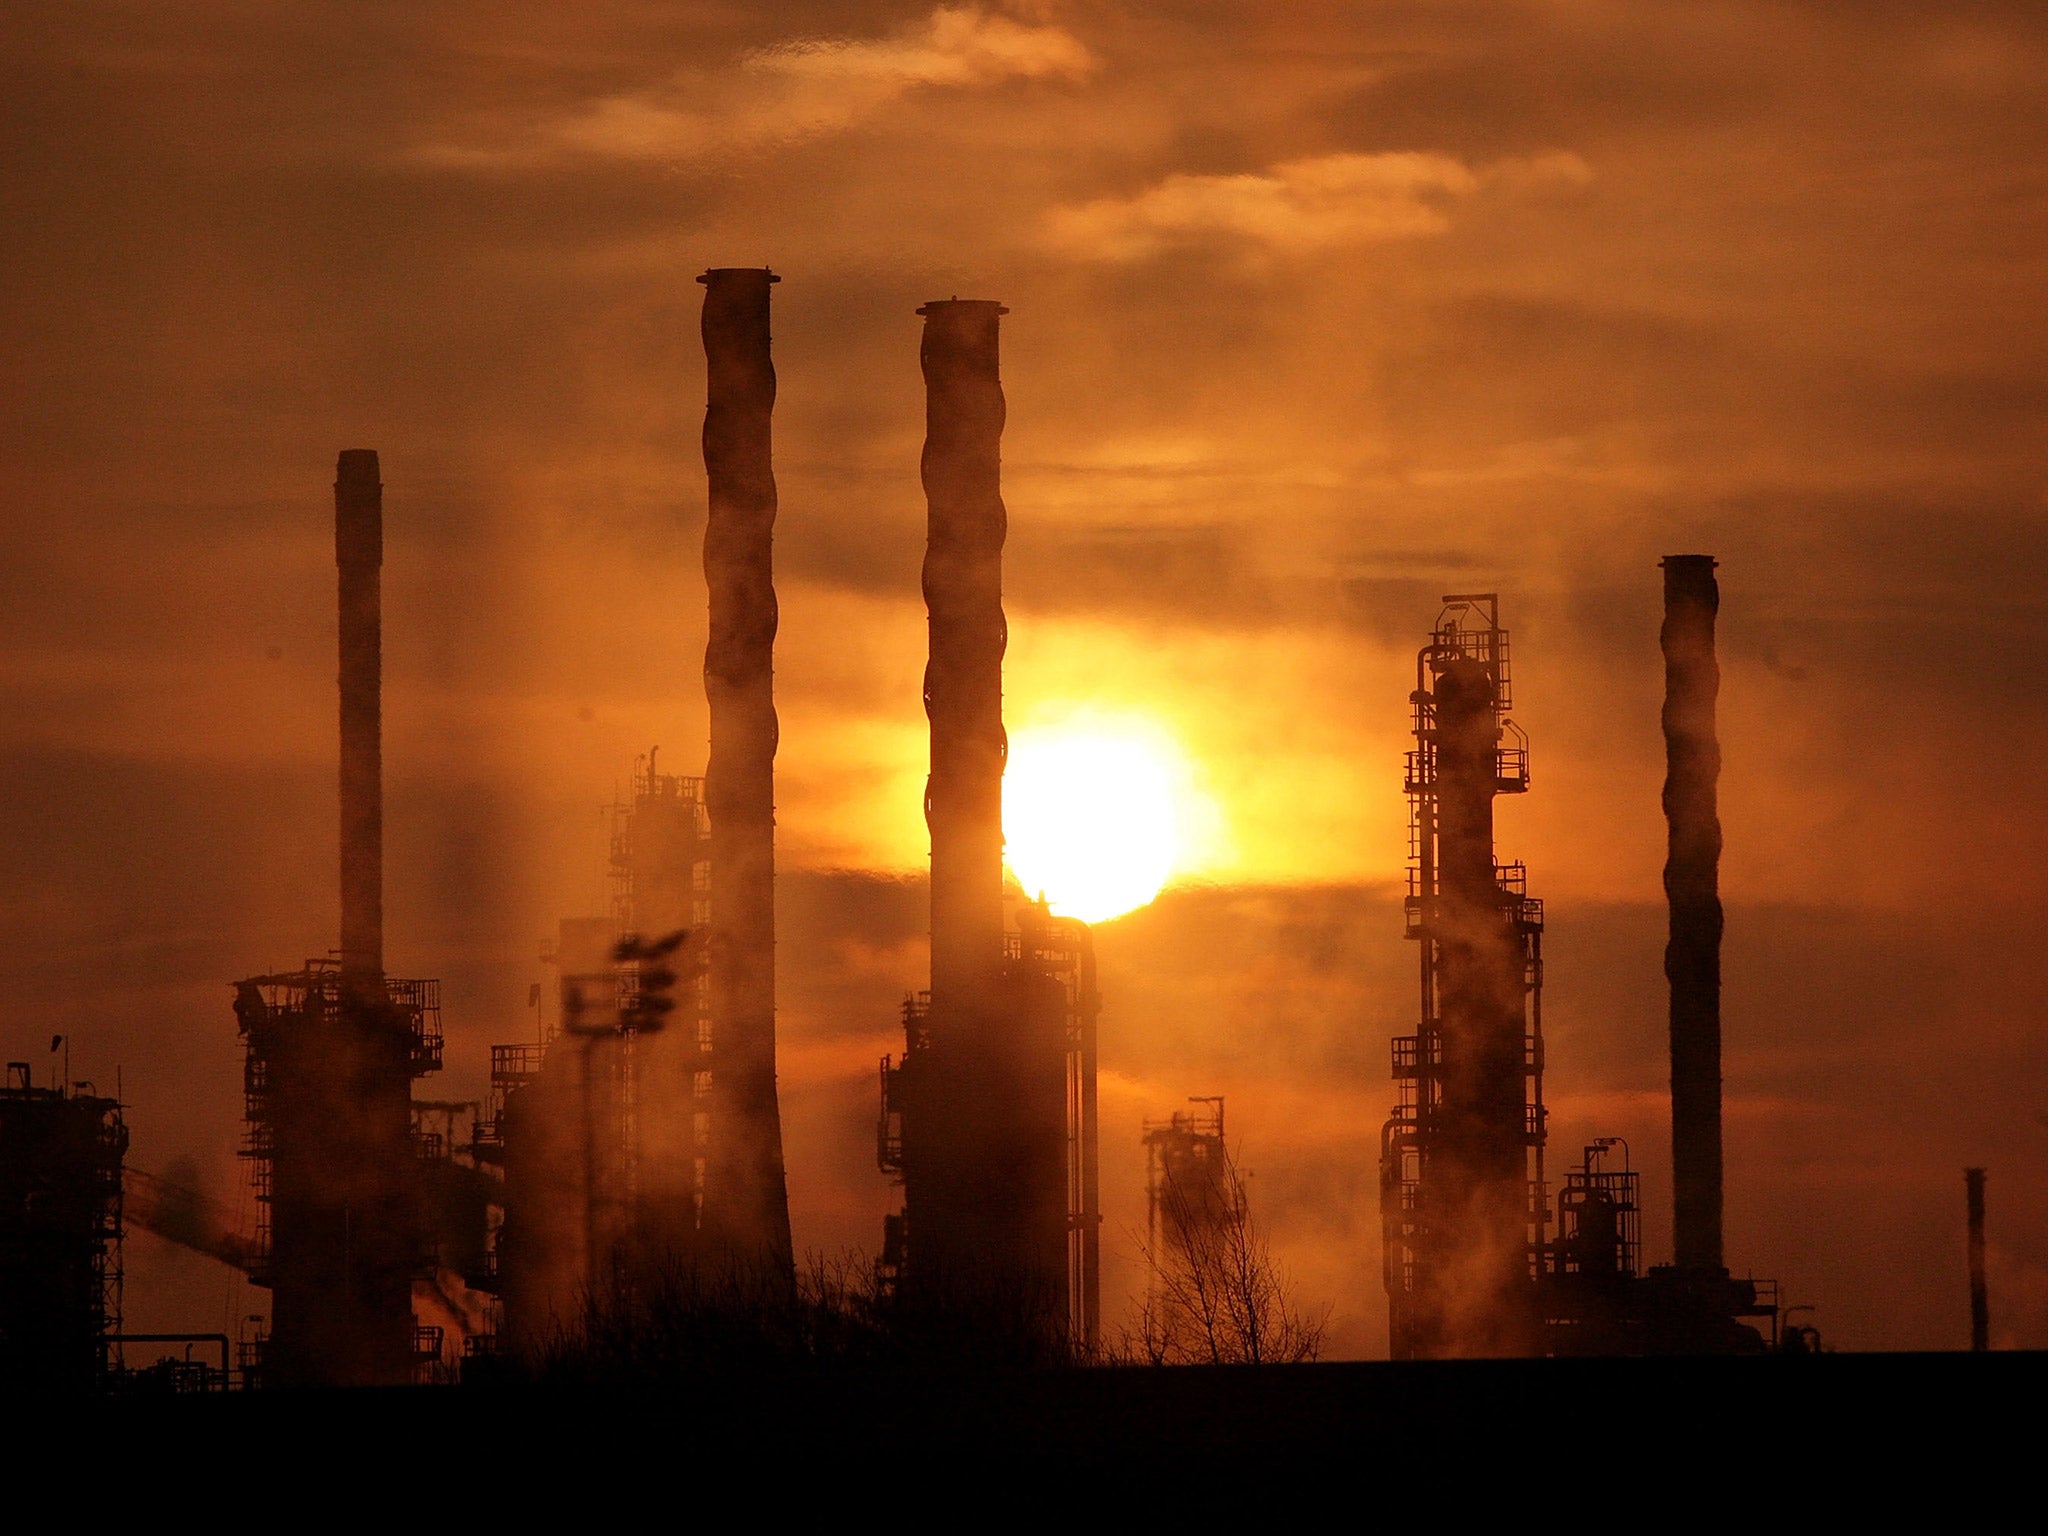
1463, 1203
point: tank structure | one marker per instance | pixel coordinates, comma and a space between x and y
460, 1204
332, 1051
533, 1131
562, 1122
988, 1116
1461, 1163
61, 1154
1590, 1269
651, 1130
1187, 1181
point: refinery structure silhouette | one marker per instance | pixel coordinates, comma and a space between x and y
637, 1143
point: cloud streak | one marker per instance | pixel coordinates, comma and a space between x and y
804, 89
1296, 207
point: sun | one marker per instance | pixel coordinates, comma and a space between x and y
1091, 815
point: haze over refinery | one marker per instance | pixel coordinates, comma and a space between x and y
1316, 314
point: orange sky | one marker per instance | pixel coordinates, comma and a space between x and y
1315, 317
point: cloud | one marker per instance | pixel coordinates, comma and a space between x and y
1295, 207
956, 46
798, 90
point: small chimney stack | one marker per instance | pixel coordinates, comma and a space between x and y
1980, 1296
1692, 958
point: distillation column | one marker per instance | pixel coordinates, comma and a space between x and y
1461, 1159
1476, 1183
1692, 958
746, 1202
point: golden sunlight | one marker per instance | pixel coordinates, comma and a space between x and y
1094, 814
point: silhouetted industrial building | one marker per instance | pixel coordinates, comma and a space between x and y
1475, 1261
645, 1139
601, 1141
332, 1050
61, 1152
988, 1117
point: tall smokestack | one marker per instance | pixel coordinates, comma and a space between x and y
1980, 1298
747, 1205
1692, 959
963, 681
359, 558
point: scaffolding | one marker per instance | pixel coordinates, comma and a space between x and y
277, 1017
661, 884
601, 1124
329, 1058
61, 1154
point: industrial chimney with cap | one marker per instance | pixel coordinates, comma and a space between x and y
1692, 886
746, 1206
988, 1115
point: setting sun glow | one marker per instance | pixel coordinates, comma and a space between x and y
1091, 816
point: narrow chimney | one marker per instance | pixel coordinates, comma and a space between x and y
746, 1200
1692, 958
1980, 1297
359, 557
963, 681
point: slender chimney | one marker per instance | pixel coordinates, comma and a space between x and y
1692, 959
747, 1204
1980, 1299
963, 681
359, 557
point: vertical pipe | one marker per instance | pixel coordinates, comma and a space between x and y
1091, 1154
359, 558
345, 1234
1980, 1298
747, 1203
963, 686
1692, 958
